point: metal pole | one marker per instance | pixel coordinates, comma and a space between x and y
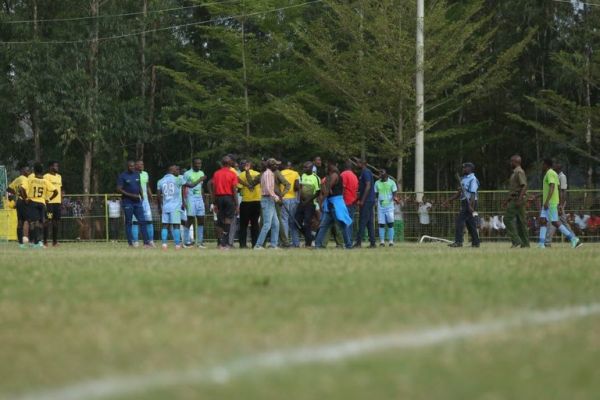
420, 106
106, 221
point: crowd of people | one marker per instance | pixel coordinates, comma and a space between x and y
283, 207
272, 199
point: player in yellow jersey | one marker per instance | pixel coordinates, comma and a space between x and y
35, 193
15, 191
53, 207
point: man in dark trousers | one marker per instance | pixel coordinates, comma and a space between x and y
365, 203
467, 193
516, 215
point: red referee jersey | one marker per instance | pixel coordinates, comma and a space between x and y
225, 181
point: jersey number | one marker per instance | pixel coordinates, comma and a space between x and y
38, 191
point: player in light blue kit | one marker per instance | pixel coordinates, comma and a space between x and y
170, 204
194, 202
146, 201
385, 190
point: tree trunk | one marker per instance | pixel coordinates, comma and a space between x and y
588, 131
87, 169
245, 76
139, 147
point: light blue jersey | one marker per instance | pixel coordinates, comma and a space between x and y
170, 188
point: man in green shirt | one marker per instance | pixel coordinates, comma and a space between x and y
516, 215
550, 200
310, 187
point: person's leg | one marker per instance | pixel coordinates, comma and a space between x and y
471, 223
255, 210
371, 222
56, 217
282, 238
164, 232
135, 231
521, 221
138, 211
362, 224
286, 219
233, 227
543, 229
293, 226
460, 224
186, 232
550, 234
244, 221
46, 229
128, 211
267, 209
148, 219
326, 222
511, 222
275, 229
351, 212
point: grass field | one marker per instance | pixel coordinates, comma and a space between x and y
103, 321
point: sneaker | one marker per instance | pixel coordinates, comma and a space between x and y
177, 247
55, 244
258, 248
372, 246
201, 246
136, 244
164, 246
275, 248
25, 240
576, 242
475, 246
381, 244
455, 244
148, 246
152, 244
541, 245
391, 244
39, 245
23, 246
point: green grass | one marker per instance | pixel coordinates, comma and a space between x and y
82, 312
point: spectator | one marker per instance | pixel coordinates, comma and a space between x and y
424, 218
581, 222
114, 215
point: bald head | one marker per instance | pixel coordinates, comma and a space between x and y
515, 161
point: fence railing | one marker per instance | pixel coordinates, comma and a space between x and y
88, 218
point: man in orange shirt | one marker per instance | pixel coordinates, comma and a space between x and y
350, 182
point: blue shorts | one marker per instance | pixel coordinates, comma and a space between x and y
551, 214
147, 211
195, 207
184, 216
173, 217
385, 214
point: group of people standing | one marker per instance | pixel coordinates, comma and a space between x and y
272, 199
551, 213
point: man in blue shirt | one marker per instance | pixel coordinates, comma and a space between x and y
366, 202
130, 188
469, 185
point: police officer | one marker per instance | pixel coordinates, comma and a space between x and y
467, 193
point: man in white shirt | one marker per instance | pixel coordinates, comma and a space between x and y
424, 218
581, 222
562, 202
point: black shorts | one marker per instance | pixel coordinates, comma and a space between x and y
225, 207
36, 212
21, 210
53, 212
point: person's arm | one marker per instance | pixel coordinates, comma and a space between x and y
282, 181
23, 194
363, 199
297, 185
456, 196
332, 181
149, 190
120, 190
159, 200
194, 183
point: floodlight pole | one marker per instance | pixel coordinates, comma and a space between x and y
420, 106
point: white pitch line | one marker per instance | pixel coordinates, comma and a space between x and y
328, 353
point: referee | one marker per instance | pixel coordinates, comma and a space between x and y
467, 193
